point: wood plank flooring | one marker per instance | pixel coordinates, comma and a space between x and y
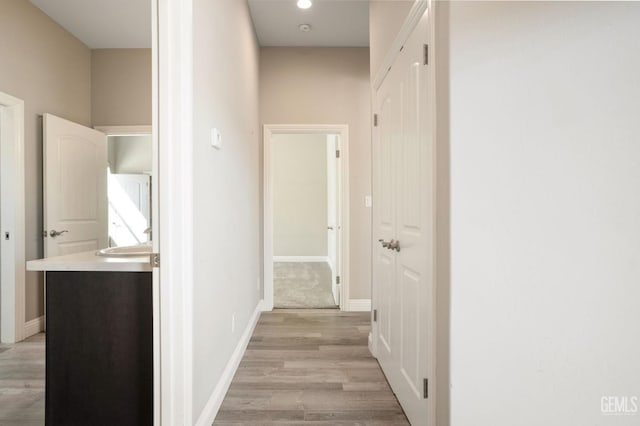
22, 382
310, 367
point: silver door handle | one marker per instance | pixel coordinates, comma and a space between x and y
55, 233
330, 227
391, 245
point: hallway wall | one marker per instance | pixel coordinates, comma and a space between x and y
121, 87
226, 188
321, 85
385, 20
299, 195
542, 122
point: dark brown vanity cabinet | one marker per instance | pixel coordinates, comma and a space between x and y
99, 351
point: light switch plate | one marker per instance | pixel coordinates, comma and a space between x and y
216, 138
367, 201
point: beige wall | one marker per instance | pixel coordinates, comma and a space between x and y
385, 20
328, 86
50, 70
226, 188
121, 87
299, 170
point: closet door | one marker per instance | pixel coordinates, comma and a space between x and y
404, 213
386, 139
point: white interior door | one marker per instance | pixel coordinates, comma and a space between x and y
404, 213
75, 187
333, 226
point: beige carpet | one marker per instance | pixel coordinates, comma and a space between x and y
302, 285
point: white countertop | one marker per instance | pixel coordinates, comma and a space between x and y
88, 261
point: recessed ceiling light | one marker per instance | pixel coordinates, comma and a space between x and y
305, 28
304, 4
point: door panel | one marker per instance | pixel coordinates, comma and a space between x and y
404, 188
78, 182
384, 226
410, 354
75, 187
386, 275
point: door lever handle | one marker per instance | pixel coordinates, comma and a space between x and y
391, 245
55, 233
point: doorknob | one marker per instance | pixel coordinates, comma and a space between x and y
384, 243
392, 245
330, 228
55, 233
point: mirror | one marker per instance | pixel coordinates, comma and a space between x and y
129, 183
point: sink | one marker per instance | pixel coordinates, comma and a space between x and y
126, 251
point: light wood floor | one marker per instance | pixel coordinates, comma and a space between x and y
22, 382
301, 367
310, 367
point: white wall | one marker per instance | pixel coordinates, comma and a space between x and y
50, 70
226, 187
328, 86
545, 210
299, 167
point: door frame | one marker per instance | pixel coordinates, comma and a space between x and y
12, 219
125, 130
343, 203
172, 117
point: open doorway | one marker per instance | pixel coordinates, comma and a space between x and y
305, 226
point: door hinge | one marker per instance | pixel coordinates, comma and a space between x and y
337, 153
337, 279
154, 259
375, 315
426, 54
375, 120
426, 388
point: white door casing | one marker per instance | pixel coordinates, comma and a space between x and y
333, 226
404, 211
74, 188
342, 176
12, 219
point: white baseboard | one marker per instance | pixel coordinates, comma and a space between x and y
359, 305
34, 326
300, 259
210, 410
